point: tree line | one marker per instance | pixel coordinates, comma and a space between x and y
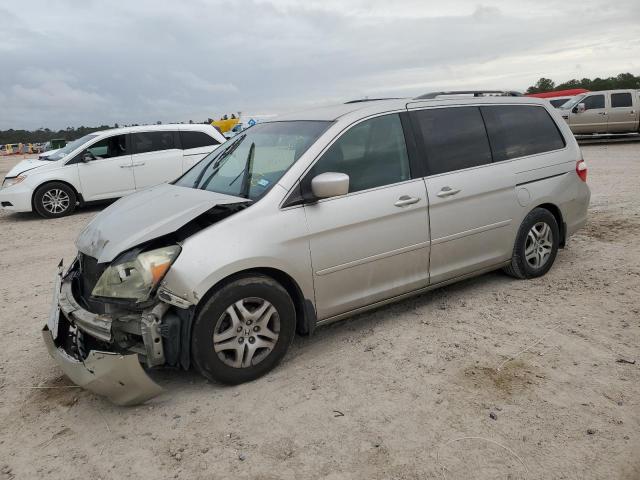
42, 135
622, 80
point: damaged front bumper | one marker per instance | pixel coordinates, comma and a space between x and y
118, 377
72, 334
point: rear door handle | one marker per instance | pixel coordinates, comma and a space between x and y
405, 200
602, 113
447, 192
139, 164
126, 166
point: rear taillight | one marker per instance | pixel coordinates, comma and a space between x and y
581, 170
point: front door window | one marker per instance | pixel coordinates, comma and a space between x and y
594, 101
115, 146
373, 154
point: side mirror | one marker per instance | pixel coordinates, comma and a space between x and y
330, 184
87, 156
581, 108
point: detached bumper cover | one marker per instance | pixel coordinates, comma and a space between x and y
120, 378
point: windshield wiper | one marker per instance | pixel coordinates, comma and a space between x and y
218, 165
248, 168
246, 165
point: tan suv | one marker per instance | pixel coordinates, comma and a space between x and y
608, 111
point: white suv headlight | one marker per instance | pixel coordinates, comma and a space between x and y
8, 182
136, 279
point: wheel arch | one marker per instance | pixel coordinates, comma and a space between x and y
305, 309
557, 213
65, 182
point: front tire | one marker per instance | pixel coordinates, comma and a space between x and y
243, 330
536, 245
54, 200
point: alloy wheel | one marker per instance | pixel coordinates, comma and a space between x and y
246, 333
55, 201
538, 245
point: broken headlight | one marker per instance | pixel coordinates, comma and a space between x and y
135, 279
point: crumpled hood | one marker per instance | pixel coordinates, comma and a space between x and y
26, 165
143, 216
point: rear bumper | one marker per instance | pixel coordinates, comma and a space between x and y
575, 212
117, 376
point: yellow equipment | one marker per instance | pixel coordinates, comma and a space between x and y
225, 125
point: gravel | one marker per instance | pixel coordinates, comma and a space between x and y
414, 380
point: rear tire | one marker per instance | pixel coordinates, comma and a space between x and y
243, 330
536, 245
54, 200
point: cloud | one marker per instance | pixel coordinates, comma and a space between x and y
149, 60
486, 13
57, 95
192, 81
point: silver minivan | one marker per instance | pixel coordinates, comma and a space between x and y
298, 222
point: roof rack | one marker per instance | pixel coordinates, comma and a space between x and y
369, 100
475, 93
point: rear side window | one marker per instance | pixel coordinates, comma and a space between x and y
191, 139
621, 100
520, 130
453, 138
593, 101
144, 142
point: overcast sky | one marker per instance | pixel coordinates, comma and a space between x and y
86, 62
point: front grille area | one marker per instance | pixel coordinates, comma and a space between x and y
88, 275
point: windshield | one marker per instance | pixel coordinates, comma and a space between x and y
251, 163
70, 147
572, 102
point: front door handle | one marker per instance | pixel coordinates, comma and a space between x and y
139, 164
602, 113
447, 192
126, 166
405, 200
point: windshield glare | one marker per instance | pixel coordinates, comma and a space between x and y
70, 147
572, 102
250, 164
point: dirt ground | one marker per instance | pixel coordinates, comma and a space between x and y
413, 390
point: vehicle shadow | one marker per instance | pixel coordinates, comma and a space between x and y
389, 313
178, 383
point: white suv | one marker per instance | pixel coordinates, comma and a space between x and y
105, 165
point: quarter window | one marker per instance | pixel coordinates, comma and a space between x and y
373, 153
520, 130
144, 142
621, 100
558, 101
109, 147
593, 101
453, 138
192, 139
